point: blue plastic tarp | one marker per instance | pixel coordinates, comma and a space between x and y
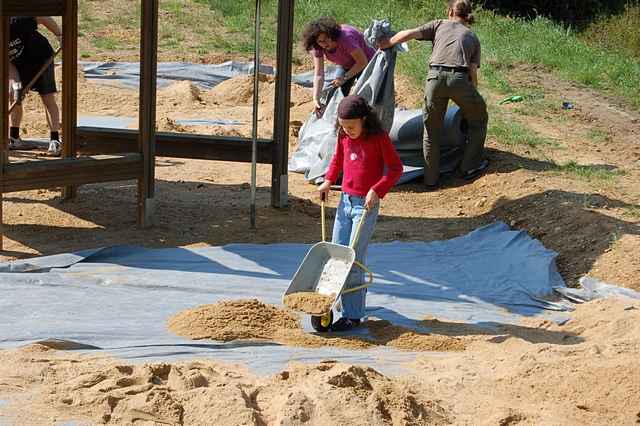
120, 298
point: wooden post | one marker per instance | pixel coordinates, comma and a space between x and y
279, 167
4, 109
147, 114
69, 86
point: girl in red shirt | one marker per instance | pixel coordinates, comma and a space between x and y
370, 167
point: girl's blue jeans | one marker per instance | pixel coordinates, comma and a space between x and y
348, 215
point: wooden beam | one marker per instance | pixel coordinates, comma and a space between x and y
279, 168
69, 86
147, 113
26, 175
33, 7
96, 140
4, 112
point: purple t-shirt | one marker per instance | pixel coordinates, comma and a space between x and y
350, 39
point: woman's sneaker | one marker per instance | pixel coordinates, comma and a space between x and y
345, 324
55, 148
474, 173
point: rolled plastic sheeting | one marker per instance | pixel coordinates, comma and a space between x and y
407, 133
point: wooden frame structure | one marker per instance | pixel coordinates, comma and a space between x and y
114, 154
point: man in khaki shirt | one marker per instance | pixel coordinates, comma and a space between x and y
452, 74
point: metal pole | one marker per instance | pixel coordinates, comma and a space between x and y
254, 132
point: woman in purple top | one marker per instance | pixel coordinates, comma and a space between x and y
341, 44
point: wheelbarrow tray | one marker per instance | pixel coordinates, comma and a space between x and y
308, 276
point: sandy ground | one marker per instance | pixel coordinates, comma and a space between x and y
251, 319
584, 372
581, 373
591, 222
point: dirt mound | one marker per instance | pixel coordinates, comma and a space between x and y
410, 340
583, 372
311, 303
180, 92
239, 90
331, 393
588, 379
252, 319
199, 393
233, 320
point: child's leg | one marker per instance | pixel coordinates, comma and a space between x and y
353, 304
342, 223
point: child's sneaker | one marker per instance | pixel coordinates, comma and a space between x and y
345, 324
55, 148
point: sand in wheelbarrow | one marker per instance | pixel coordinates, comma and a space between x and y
309, 302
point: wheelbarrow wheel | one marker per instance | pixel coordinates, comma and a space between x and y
322, 323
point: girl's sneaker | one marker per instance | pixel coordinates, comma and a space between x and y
345, 324
55, 148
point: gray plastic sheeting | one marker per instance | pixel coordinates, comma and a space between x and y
120, 298
407, 133
591, 289
317, 137
205, 76
109, 122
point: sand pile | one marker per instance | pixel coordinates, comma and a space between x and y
252, 319
309, 302
239, 91
581, 373
59, 387
584, 372
179, 93
385, 333
233, 320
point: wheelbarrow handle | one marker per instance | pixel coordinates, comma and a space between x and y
365, 285
354, 243
323, 198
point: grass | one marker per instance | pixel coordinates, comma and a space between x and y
106, 43
512, 133
540, 41
196, 26
598, 136
618, 32
590, 172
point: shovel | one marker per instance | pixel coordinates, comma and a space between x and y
23, 92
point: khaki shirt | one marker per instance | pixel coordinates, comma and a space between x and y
454, 44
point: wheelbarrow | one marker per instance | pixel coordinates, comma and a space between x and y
310, 278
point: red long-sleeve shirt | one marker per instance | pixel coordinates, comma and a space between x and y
362, 162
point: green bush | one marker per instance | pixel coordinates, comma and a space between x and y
574, 12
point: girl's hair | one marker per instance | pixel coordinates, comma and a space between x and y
326, 25
372, 124
462, 9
